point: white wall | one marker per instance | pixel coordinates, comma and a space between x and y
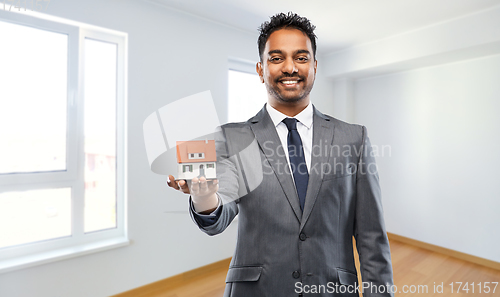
439, 178
440, 183
171, 55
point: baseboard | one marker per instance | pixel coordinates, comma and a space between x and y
445, 251
176, 280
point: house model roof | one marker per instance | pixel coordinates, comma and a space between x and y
184, 148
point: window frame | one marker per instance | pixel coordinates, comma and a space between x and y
79, 242
238, 65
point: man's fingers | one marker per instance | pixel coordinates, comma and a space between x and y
195, 186
172, 183
202, 187
212, 183
213, 186
183, 186
178, 185
203, 184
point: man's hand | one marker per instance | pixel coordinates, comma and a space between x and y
180, 185
202, 192
202, 189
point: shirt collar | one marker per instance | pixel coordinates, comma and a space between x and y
305, 117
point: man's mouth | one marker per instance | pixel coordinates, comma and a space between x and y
290, 82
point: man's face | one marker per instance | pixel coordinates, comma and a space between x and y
288, 67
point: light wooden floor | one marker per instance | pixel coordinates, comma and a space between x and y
416, 266
412, 266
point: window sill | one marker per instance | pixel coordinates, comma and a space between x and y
21, 262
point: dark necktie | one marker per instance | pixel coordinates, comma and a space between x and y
297, 160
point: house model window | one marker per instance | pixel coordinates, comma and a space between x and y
187, 168
196, 156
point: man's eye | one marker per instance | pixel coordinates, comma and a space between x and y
275, 59
302, 59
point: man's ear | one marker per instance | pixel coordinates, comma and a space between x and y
315, 66
258, 68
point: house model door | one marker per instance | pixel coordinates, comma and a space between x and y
202, 170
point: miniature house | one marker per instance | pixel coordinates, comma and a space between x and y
196, 158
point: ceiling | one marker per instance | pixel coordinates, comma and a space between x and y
340, 23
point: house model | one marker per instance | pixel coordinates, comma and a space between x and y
196, 158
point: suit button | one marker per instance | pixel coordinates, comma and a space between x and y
302, 236
300, 295
296, 274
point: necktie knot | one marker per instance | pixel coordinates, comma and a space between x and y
290, 123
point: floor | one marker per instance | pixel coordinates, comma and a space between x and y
417, 272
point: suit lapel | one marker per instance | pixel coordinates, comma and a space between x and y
269, 142
322, 138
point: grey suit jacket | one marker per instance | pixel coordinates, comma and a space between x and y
282, 251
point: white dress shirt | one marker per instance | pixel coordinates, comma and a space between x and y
304, 127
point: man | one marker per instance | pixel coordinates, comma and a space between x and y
317, 186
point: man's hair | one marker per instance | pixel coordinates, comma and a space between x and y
289, 21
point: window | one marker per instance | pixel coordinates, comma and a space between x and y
62, 121
246, 94
197, 156
187, 168
210, 165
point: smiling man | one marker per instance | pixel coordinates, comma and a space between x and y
288, 68
319, 188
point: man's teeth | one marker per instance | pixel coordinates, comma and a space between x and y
289, 82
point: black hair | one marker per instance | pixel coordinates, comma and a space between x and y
290, 20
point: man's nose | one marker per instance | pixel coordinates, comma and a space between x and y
289, 66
